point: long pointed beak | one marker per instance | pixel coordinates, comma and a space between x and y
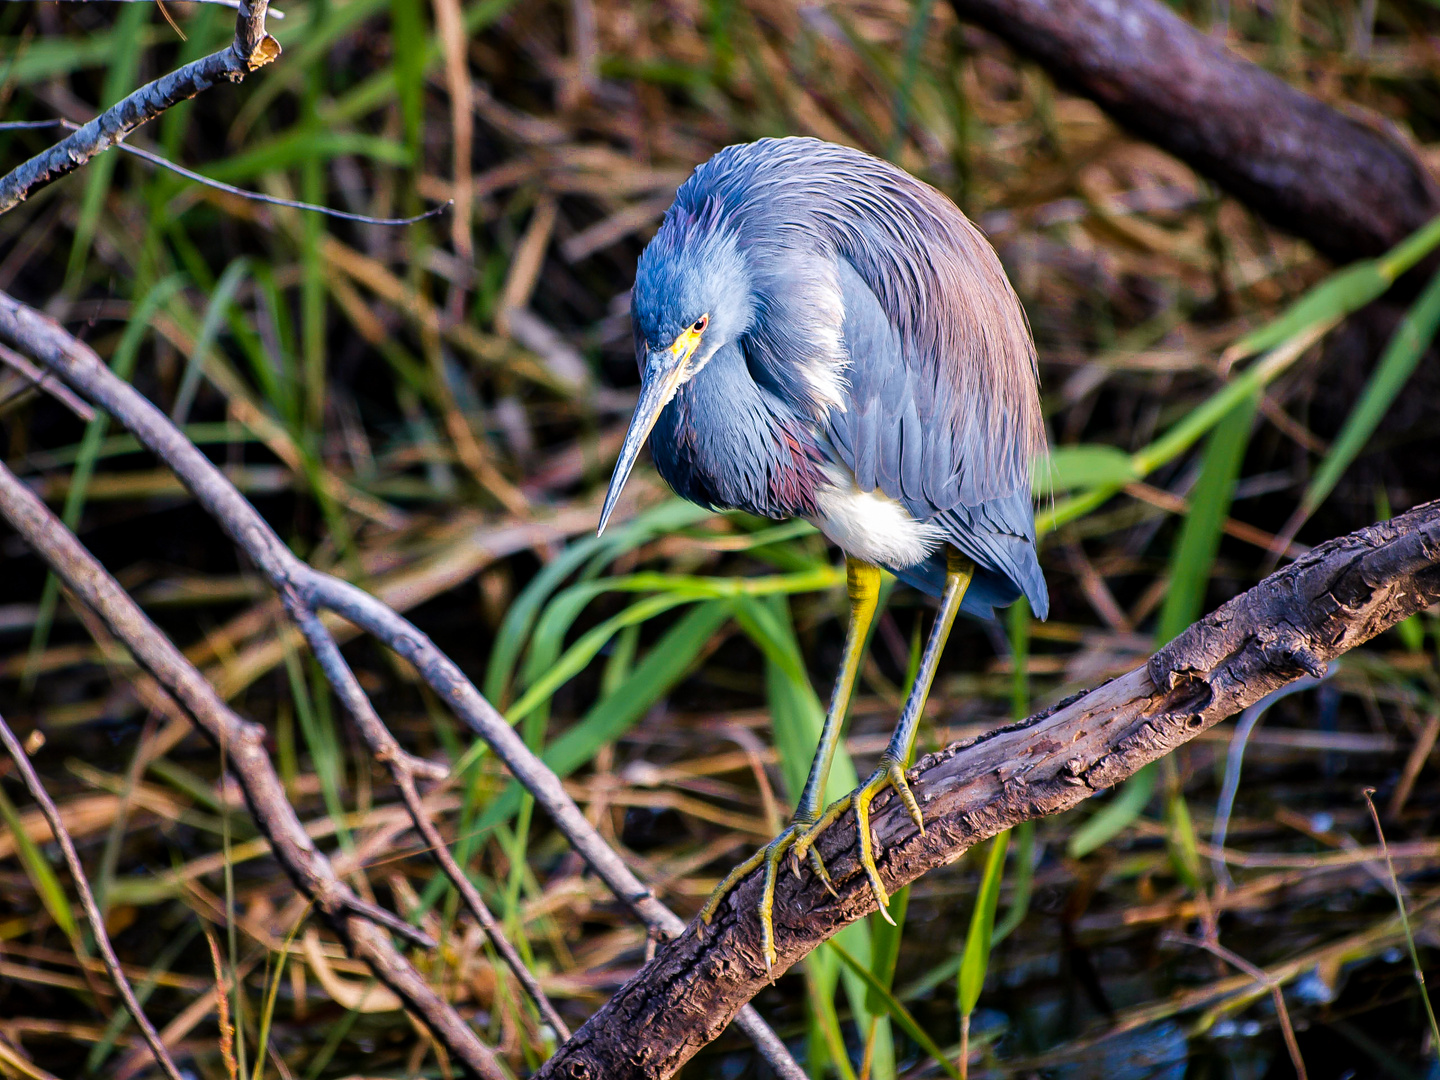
656, 390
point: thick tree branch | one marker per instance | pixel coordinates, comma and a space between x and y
1332, 599
251, 48
295, 580
1350, 189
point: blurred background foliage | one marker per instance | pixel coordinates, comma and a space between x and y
431, 411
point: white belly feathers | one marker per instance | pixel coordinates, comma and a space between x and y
870, 525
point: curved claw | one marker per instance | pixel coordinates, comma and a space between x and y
817, 864
805, 842
889, 773
770, 856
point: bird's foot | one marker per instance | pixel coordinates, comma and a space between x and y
889, 773
770, 856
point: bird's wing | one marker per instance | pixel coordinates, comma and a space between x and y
904, 431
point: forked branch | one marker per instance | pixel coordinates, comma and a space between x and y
251, 48
1292, 624
306, 589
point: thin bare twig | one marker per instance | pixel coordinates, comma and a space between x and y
275, 200
87, 898
232, 4
252, 48
79, 366
36, 379
230, 189
1265, 979
1419, 754
1404, 921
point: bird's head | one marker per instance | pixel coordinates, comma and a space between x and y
693, 295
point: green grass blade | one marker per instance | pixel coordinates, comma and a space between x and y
914, 39
885, 934
407, 35
63, 56
827, 1042
1199, 541
621, 660
120, 78
1017, 623
1180, 841
796, 712
275, 376
268, 1012
1343, 292
120, 1017
895, 1009
300, 146
520, 618
381, 88
885, 948
664, 665
667, 662
216, 312
39, 871
318, 731
797, 716
521, 615
122, 363
1402, 355
545, 673
579, 655
1112, 819
1067, 468
1024, 882
304, 44
975, 960
1285, 338
1191, 564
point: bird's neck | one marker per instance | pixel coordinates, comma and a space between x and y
727, 441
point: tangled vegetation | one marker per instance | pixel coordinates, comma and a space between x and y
430, 410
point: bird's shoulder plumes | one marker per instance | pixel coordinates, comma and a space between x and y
851, 348
786, 219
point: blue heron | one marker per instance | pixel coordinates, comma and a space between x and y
821, 335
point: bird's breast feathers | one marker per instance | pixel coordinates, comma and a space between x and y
870, 525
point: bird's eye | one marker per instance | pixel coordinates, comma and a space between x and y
700, 324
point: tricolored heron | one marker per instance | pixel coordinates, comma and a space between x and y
821, 335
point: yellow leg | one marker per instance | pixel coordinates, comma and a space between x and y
863, 583
890, 772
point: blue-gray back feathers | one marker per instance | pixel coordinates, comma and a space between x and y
866, 321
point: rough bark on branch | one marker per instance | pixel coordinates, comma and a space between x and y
1293, 623
251, 48
1347, 188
